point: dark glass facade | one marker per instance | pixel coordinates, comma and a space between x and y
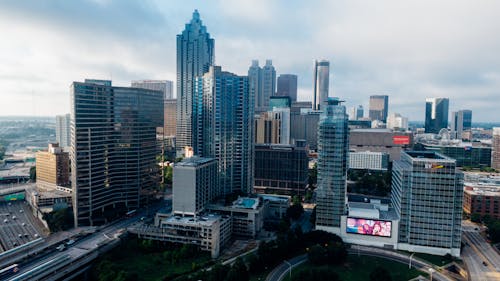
436, 114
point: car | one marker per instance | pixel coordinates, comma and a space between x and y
476, 228
61, 247
14, 217
5, 220
19, 235
24, 224
36, 235
20, 211
70, 242
484, 263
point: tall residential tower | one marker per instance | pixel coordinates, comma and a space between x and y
321, 82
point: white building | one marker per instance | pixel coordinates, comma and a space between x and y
63, 132
397, 122
367, 160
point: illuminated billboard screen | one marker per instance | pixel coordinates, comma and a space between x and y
369, 227
401, 139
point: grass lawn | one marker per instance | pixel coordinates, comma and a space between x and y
358, 268
437, 260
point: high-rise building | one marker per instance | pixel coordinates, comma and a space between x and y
113, 148
397, 122
356, 113
63, 132
460, 121
360, 113
304, 126
194, 185
263, 83
165, 86
273, 126
226, 127
333, 150
169, 117
195, 54
436, 114
280, 101
287, 86
495, 145
52, 167
321, 82
427, 192
379, 105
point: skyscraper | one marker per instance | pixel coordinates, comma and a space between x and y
360, 113
195, 54
397, 122
495, 145
169, 114
379, 105
113, 148
165, 86
460, 121
263, 83
226, 122
287, 86
436, 114
63, 132
52, 168
321, 82
427, 193
333, 149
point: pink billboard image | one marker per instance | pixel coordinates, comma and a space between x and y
369, 227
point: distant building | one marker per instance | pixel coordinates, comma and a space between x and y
169, 117
436, 114
298, 106
333, 153
460, 121
482, 199
164, 86
467, 154
113, 148
379, 106
360, 113
287, 86
367, 160
263, 83
280, 102
273, 126
380, 140
304, 126
427, 196
321, 80
195, 184
52, 168
397, 122
495, 145
63, 131
281, 169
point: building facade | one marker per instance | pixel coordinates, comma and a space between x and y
333, 154
169, 117
495, 146
164, 86
380, 140
273, 126
287, 86
460, 121
436, 114
366, 160
379, 106
113, 148
52, 167
63, 131
427, 193
321, 82
304, 126
467, 154
397, 122
195, 54
262, 82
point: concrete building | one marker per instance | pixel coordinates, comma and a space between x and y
427, 193
280, 101
333, 149
298, 106
273, 126
281, 169
113, 148
304, 126
356, 113
164, 86
46, 201
366, 160
169, 117
460, 121
277, 205
379, 106
52, 168
380, 140
397, 122
262, 83
63, 131
321, 82
287, 86
436, 114
195, 54
195, 184
495, 146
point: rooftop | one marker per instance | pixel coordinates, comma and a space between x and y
246, 203
194, 161
427, 155
205, 219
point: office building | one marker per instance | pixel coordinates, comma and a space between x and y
366, 160
287, 86
467, 154
380, 140
379, 106
436, 114
226, 127
63, 132
280, 102
321, 82
164, 86
194, 185
460, 121
481, 199
281, 169
169, 117
195, 54
262, 82
273, 126
304, 126
298, 106
397, 122
495, 146
333, 149
52, 168
356, 113
113, 148
427, 192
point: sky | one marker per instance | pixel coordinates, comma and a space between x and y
408, 50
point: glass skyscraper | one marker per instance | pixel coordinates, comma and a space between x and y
224, 114
321, 82
436, 114
113, 148
460, 121
333, 152
287, 86
195, 54
263, 83
63, 132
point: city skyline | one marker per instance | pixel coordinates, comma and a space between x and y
407, 58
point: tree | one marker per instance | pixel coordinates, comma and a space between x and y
313, 176
59, 220
33, 173
295, 211
380, 274
336, 253
317, 255
494, 230
475, 217
238, 272
168, 173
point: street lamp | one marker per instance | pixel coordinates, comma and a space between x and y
431, 270
409, 264
290, 265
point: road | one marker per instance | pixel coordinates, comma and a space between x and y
477, 251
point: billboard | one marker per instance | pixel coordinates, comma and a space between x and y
369, 227
401, 139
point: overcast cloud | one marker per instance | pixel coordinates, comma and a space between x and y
408, 50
